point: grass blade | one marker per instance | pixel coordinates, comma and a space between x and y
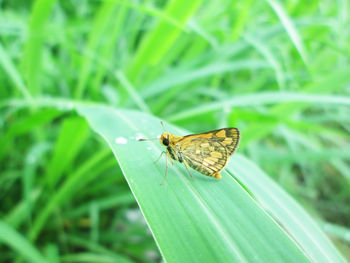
13, 74
160, 40
34, 47
290, 28
190, 220
262, 99
287, 212
16, 241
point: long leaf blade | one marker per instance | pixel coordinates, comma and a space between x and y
201, 220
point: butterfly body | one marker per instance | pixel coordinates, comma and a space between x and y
207, 153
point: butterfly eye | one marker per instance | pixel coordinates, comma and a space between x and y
166, 141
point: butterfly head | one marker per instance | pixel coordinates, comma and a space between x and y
165, 138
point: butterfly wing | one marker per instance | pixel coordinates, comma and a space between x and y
229, 137
207, 158
209, 152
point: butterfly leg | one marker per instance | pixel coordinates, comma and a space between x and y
166, 167
188, 170
159, 157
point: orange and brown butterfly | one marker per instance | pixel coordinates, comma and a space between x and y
207, 153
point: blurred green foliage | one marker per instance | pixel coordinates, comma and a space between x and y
278, 70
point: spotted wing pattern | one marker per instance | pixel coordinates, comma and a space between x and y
228, 137
207, 158
208, 152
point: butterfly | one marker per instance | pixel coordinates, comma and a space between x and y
207, 153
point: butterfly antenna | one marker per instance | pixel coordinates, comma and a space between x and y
162, 123
147, 139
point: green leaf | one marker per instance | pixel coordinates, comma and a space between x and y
72, 136
23, 125
63, 194
16, 241
105, 13
203, 219
162, 38
290, 29
285, 210
262, 99
32, 59
10, 69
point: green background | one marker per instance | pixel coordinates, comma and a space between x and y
80, 81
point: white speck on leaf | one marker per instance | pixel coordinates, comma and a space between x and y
149, 148
121, 140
